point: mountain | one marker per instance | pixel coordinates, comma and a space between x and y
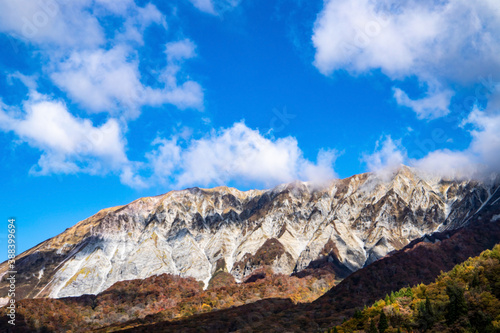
344, 225
419, 262
422, 261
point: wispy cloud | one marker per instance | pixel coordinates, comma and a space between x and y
215, 7
479, 160
434, 105
388, 156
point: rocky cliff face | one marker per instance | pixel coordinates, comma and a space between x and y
351, 222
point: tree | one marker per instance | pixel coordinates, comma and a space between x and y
408, 292
383, 324
93, 303
358, 314
373, 327
457, 306
425, 314
428, 307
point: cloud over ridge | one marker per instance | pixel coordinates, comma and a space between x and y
238, 154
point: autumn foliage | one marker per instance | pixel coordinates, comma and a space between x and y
466, 299
161, 298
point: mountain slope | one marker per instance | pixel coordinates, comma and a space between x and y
195, 232
155, 299
466, 299
406, 267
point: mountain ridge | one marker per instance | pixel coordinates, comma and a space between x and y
191, 232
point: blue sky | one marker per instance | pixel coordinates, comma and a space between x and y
102, 102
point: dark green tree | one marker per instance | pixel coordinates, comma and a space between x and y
480, 321
457, 306
373, 327
428, 306
383, 324
393, 297
408, 292
425, 315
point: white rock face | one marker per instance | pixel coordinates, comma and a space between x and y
356, 220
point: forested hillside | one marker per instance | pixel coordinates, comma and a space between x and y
466, 299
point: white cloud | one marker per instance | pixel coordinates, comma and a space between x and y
68, 144
237, 154
486, 138
444, 43
206, 6
180, 50
135, 24
116, 7
99, 80
99, 68
387, 158
479, 160
187, 95
450, 164
51, 22
434, 105
215, 7
322, 170
113, 81
74, 24
98, 71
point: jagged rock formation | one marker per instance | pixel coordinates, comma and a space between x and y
196, 232
421, 261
